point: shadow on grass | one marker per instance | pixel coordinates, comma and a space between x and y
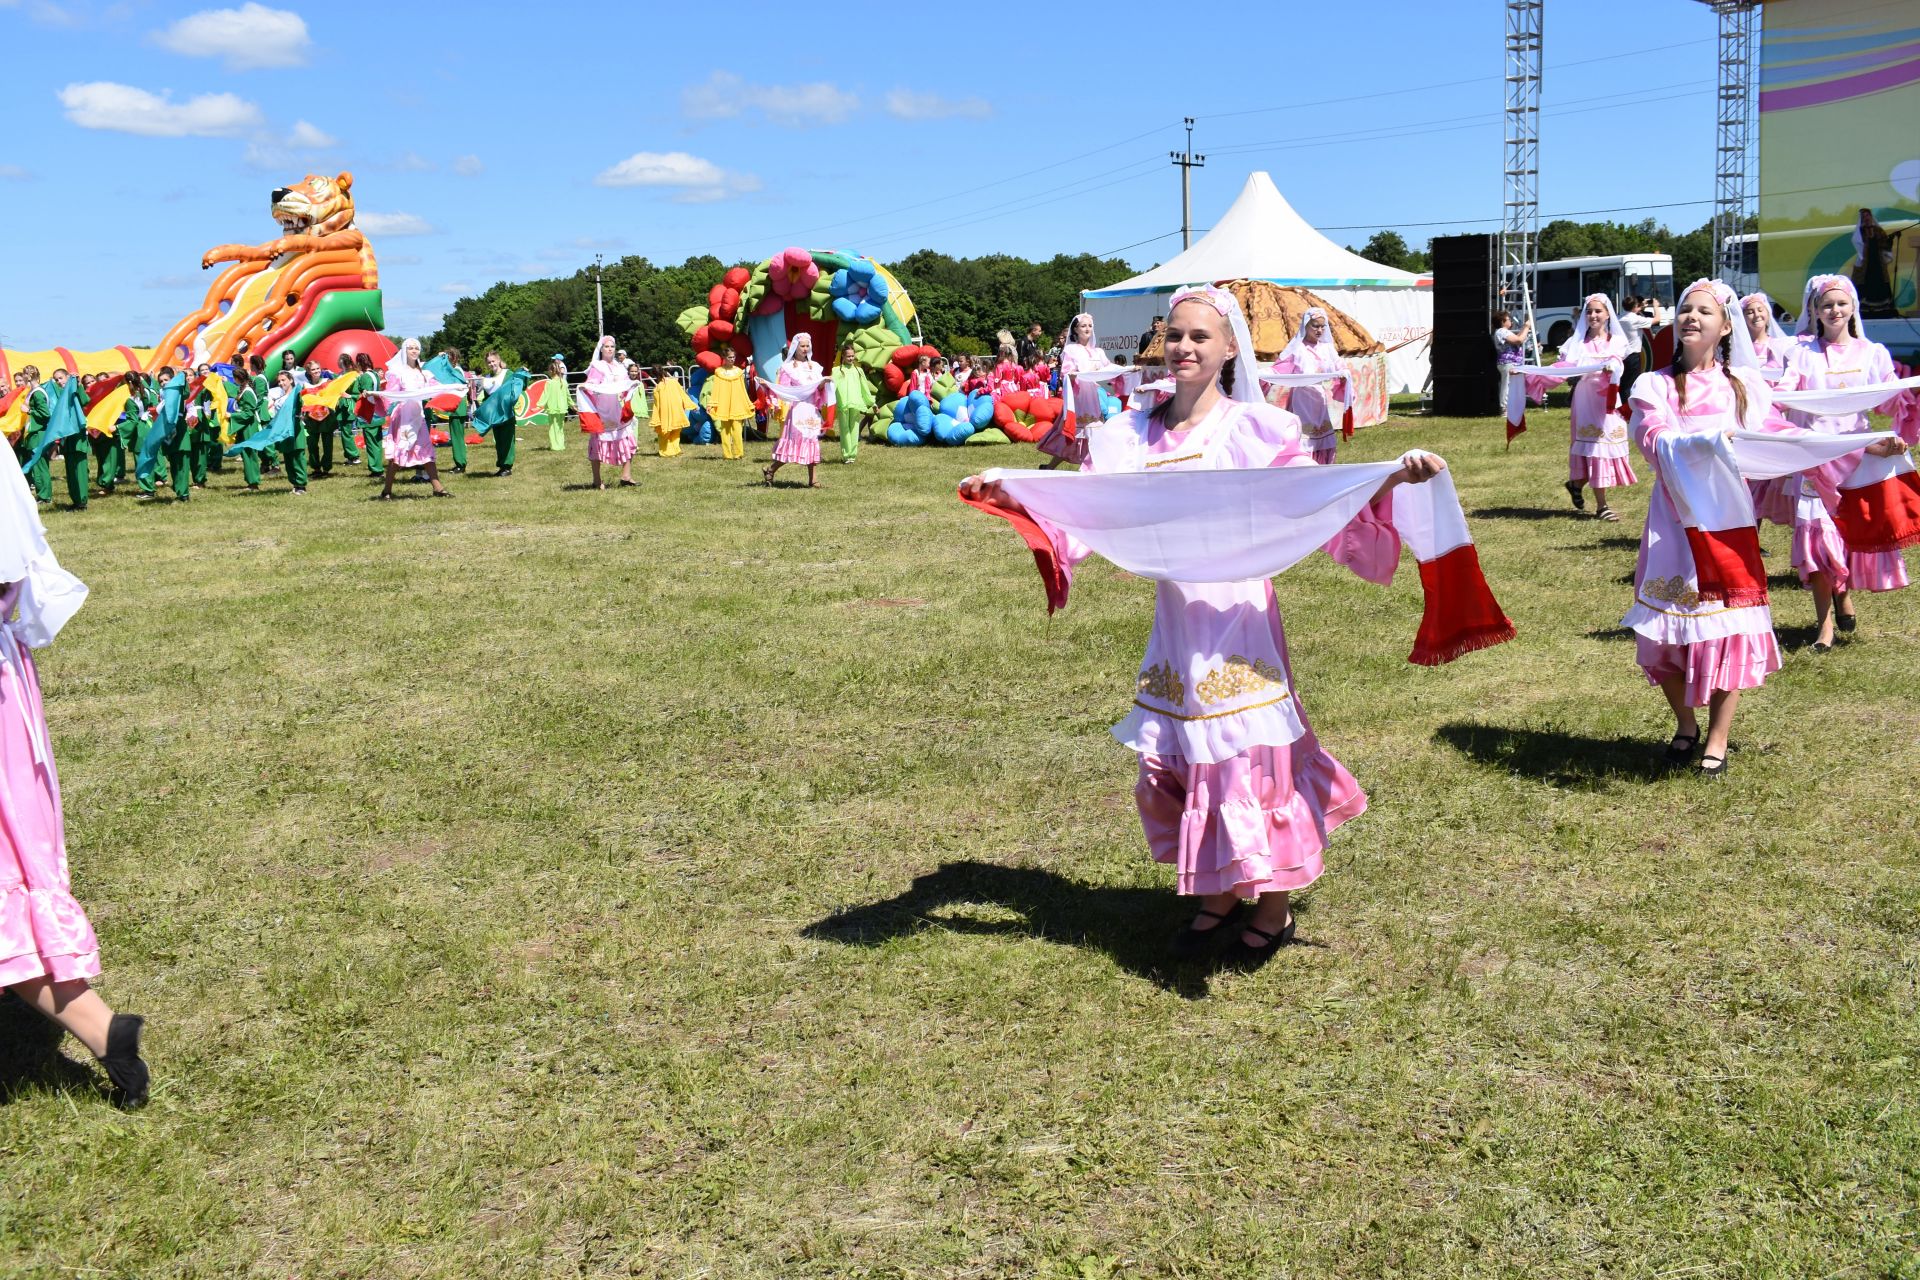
1528, 513
30, 1056
1576, 761
1612, 542
1611, 633
1133, 926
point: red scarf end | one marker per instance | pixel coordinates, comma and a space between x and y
1346, 423
1461, 615
1515, 428
1726, 565
1881, 517
1052, 577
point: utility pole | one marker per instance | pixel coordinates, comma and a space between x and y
599, 311
1188, 162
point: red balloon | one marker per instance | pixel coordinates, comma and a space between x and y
720, 330
714, 296
353, 342
708, 360
736, 278
1016, 401
703, 337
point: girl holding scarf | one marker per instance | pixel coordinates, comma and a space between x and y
1234, 789
605, 393
1833, 354
800, 432
1312, 351
1080, 354
1598, 454
48, 952
1771, 347
409, 441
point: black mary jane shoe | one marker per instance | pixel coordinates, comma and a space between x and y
1191, 943
1248, 958
1579, 498
1679, 754
1713, 766
1845, 622
125, 1068
1821, 646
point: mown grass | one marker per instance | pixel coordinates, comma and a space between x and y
714, 880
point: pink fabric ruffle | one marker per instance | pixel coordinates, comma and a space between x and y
1817, 548
1056, 443
1876, 571
1256, 823
1729, 662
795, 447
1601, 473
1327, 456
43, 930
1772, 501
619, 451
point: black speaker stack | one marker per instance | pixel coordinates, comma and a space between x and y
1464, 382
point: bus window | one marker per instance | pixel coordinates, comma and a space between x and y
1604, 280
1649, 281
1558, 288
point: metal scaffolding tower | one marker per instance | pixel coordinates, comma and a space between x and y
1520, 227
1733, 140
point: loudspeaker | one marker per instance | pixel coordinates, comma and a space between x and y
1464, 382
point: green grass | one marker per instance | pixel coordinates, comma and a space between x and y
709, 880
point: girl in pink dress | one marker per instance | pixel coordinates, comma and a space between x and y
1312, 351
47, 949
1079, 354
1771, 347
1234, 788
1832, 353
1598, 453
409, 440
605, 393
810, 392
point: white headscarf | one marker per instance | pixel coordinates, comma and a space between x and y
613, 358
1614, 328
1073, 327
1246, 383
1774, 332
793, 345
1743, 355
399, 360
1324, 348
1809, 321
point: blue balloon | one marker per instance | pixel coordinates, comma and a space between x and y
949, 431
859, 292
954, 405
899, 435
980, 411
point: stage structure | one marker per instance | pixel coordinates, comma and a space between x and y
1520, 224
1733, 137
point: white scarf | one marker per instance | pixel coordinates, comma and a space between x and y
50, 595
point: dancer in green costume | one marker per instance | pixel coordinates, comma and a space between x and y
39, 413
853, 395
167, 440
292, 447
118, 438
206, 427
57, 420
247, 413
494, 415
343, 420
554, 402
365, 380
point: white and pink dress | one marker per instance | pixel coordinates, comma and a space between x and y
1715, 644
1817, 544
1234, 789
1082, 397
1315, 406
1773, 499
409, 441
44, 932
807, 392
1598, 452
605, 393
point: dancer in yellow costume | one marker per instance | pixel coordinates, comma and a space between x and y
670, 409
726, 398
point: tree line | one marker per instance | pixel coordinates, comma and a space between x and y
962, 303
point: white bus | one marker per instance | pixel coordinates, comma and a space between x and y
1560, 286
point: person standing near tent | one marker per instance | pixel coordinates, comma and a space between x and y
49, 955
1233, 787
554, 402
729, 404
604, 394
853, 401
805, 391
1312, 350
409, 441
1833, 354
1873, 268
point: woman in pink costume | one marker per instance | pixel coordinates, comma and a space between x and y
1772, 345
1239, 800
800, 434
605, 393
1312, 351
47, 949
1833, 354
1598, 453
409, 441
1080, 354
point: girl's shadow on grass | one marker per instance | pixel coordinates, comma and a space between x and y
1575, 761
1132, 926
30, 1056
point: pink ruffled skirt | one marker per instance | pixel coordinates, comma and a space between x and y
1730, 662
43, 931
1601, 473
1818, 548
1257, 823
618, 450
1327, 456
1056, 443
796, 447
1771, 501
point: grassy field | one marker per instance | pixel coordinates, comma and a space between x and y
709, 880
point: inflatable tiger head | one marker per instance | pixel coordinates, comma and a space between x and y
318, 206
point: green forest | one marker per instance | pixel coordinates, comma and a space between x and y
962, 302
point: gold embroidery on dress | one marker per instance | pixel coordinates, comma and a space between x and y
1316, 433
1672, 590
1609, 432
1240, 676
1164, 683
1167, 462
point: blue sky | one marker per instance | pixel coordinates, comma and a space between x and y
516, 141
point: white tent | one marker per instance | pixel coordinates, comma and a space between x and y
1262, 238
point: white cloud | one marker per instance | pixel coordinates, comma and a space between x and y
467, 166
250, 36
414, 162
393, 224
693, 180
308, 137
725, 96
121, 108
14, 173
458, 287
904, 104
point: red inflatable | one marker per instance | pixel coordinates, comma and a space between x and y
353, 342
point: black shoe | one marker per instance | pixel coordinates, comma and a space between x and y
1845, 622
1822, 646
1579, 499
123, 1062
1249, 958
1680, 750
1191, 943
1713, 766
504, 471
